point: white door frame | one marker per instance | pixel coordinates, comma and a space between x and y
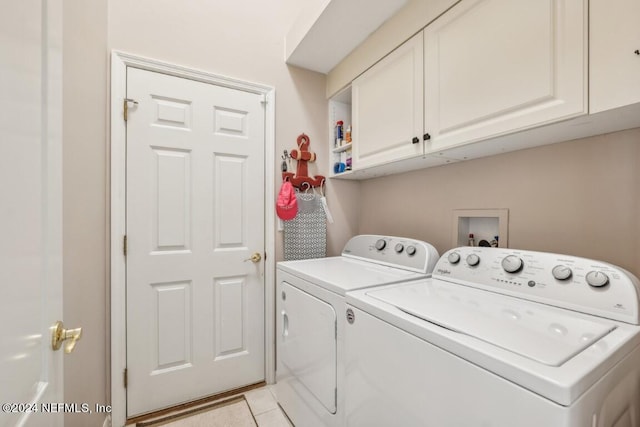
119, 63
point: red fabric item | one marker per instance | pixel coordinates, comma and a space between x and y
287, 203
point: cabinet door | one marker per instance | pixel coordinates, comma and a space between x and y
494, 67
614, 49
387, 107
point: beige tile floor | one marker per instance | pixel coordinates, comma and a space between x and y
264, 408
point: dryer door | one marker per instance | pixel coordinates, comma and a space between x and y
307, 343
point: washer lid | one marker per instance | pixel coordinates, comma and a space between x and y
342, 274
542, 333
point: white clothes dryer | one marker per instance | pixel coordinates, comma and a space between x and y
310, 307
497, 337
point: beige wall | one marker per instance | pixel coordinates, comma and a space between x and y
242, 39
579, 197
85, 202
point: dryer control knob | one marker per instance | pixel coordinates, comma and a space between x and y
399, 248
411, 250
454, 257
561, 272
473, 260
597, 279
512, 264
381, 244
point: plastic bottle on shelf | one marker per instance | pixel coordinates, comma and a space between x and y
348, 160
347, 135
343, 161
472, 241
339, 133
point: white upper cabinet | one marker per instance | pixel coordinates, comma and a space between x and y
494, 67
388, 108
614, 49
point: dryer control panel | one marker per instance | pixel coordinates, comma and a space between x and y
399, 252
574, 283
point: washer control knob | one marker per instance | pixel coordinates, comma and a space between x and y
411, 250
399, 248
454, 257
512, 264
597, 279
473, 260
381, 244
561, 272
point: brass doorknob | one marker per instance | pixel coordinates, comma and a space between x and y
59, 334
254, 258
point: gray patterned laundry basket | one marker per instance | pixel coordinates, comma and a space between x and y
305, 236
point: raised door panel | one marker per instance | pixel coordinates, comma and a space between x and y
614, 54
387, 108
494, 67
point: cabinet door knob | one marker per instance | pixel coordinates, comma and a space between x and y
415, 140
426, 137
637, 51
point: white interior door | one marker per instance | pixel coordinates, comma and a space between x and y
195, 216
30, 211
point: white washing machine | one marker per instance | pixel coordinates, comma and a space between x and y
497, 337
310, 322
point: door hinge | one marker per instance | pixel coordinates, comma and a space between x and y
126, 377
124, 245
125, 107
